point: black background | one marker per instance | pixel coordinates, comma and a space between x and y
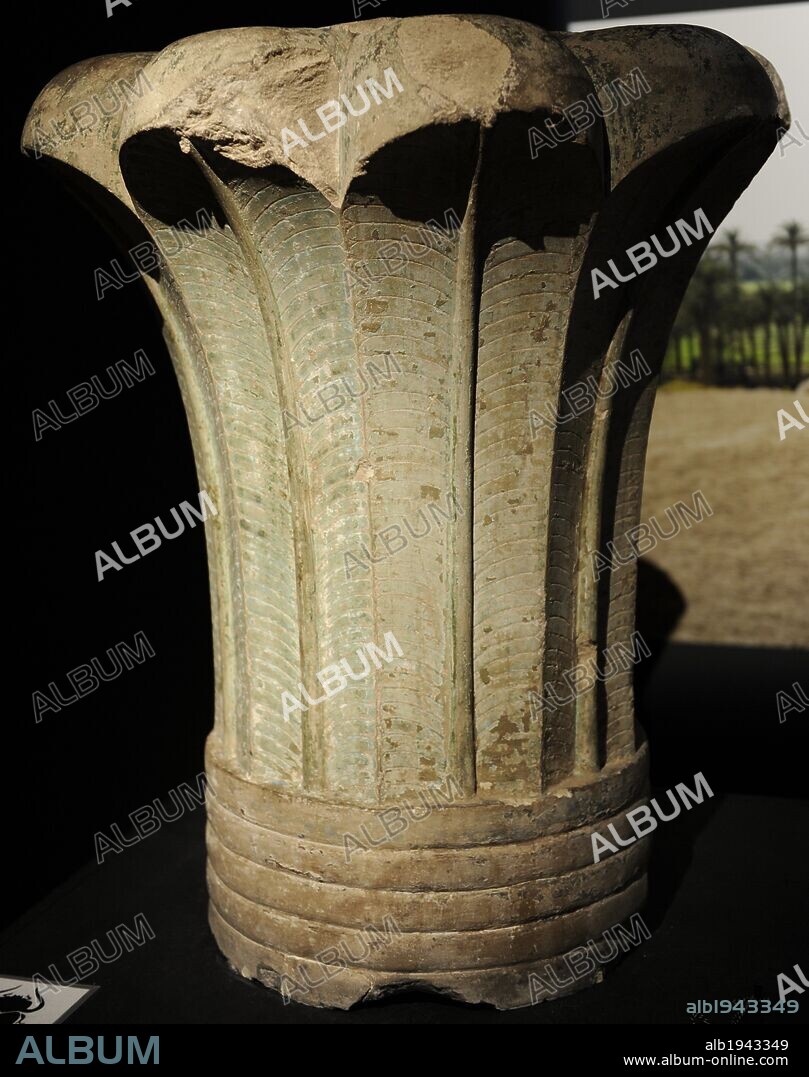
92, 482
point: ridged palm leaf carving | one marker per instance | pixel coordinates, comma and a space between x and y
294, 285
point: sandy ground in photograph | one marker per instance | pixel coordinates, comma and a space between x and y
744, 571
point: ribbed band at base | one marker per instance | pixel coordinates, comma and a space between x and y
478, 900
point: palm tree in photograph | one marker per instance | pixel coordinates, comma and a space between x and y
706, 306
793, 236
733, 247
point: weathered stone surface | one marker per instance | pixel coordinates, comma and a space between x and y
312, 265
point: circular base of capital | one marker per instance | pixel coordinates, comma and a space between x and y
481, 901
